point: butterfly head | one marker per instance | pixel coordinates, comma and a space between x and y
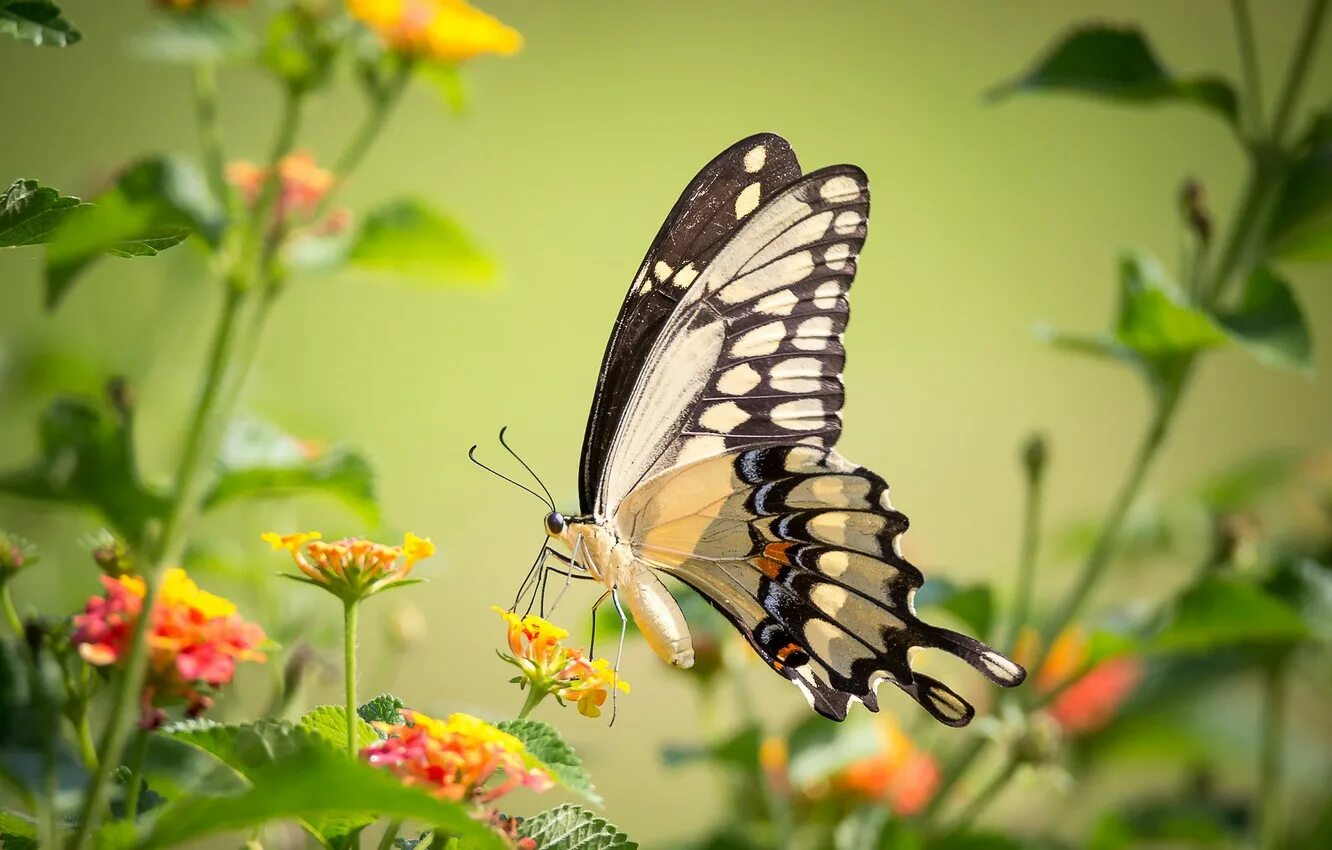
556, 524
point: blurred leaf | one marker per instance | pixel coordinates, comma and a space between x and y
301, 45
382, 709
38, 22
1249, 480
175, 768
571, 827
17, 831
1307, 586
740, 751
155, 204
33, 756
1301, 226
976, 841
1223, 611
1119, 64
450, 82
819, 747
549, 751
1194, 822
407, 236
260, 461
1154, 319
311, 785
199, 35
1094, 346
30, 213
330, 723
861, 829
1270, 324
318, 253
87, 459
973, 605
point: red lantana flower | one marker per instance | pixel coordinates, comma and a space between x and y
1088, 698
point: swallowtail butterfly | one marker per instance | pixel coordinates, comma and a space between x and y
709, 448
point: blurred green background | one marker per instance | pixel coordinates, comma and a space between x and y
986, 220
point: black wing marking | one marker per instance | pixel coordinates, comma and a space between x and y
798, 548
710, 210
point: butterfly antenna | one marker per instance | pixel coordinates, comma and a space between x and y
550, 500
471, 455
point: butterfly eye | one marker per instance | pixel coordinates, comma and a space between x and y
554, 524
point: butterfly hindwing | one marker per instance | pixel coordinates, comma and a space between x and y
710, 210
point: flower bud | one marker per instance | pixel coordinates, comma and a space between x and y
15, 554
1035, 453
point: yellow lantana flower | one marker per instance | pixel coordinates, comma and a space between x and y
352, 568
444, 30
550, 668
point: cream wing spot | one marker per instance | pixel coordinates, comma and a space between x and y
837, 649
834, 563
802, 414
839, 189
797, 375
697, 448
801, 459
738, 380
789, 269
645, 287
846, 222
949, 705
765, 339
661, 271
748, 200
835, 256
1001, 667
828, 598
685, 275
825, 295
812, 334
724, 417
778, 303
755, 157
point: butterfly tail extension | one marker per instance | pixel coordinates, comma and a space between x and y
995, 666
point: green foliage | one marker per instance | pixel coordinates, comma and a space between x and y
571, 827
820, 747
1301, 226
973, 605
258, 460
31, 212
547, 750
1119, 64
155, 204
200, 35
1270, 323
17, 832
33, 757
382, 709
87, 459
330, 723
38, 22
1155, 320
1221, 611
300, 47
409, 237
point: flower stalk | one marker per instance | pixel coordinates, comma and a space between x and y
349, 670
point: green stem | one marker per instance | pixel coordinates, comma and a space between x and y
952, 773
210, 138
390, 833
534, 698
985, 797
349, 669
1299, 69
1253, 94
11, 613
365, 135
83, 732
1270, 769
1026, 576
136, 770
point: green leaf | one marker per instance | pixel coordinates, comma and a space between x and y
258, 461
1301, 226
1244, 483
155, 204
37, 22
820, 747
1119, 64
409, 237
382, 709
1154, 319
1092, 346
312, 784
30, 213
547, 750
301, 45
330, 723
196, 36
1222, 611
17, 831
571, 827
248, 746
973, 604
1270, 324
861, 828
450, 82
87, 459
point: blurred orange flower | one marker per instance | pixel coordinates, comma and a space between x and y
901, 775
456, 758
1088, 699
446, 30
302, 184
352, 568
195, 639
549, 667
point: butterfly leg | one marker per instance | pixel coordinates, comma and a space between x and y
572, 564
532, 573
619, 652
592, 642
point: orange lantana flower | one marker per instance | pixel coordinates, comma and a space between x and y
549, 667
302, 184
352, 568
1089, 698
445, 30
195, 639
901, 775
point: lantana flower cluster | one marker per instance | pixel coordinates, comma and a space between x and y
1087, 698
195, 640
301, 183
459, 758
352, 568
550, 668
444, 30
901, 775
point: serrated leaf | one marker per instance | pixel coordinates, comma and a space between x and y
197, 35
1222, 611
258, 460
408, 236
38, 22
547, 750
87, 459
156, 203
330, 723
1119, 64
972, 604
31, 212
1270, 324
385, 708
571, 827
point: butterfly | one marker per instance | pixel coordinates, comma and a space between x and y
709, 452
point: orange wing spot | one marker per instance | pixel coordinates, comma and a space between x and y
778, 552
785, 652
768, 566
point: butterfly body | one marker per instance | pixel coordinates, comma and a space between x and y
709, 450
